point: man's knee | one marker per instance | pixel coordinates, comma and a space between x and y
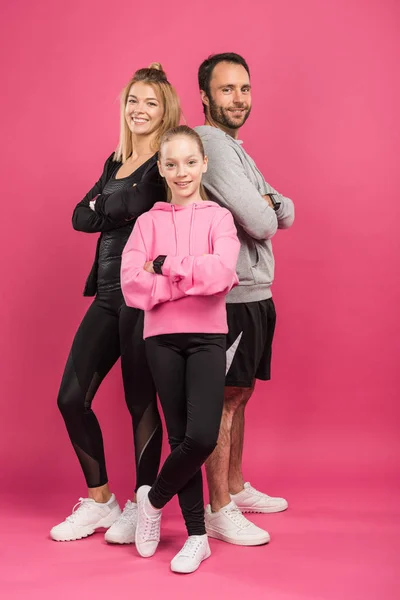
236, 397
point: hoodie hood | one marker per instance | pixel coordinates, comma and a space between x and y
169, 207
208, 131
173, 209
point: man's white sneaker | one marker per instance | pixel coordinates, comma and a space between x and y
195, 550
122, 531
250, 500
87, 516
147, 535
229, 525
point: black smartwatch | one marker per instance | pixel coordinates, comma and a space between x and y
275, 203
158, 263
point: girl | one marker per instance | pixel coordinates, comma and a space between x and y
178, 266
129, 186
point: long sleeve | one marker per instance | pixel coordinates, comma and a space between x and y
142, 289
130, 203
228, 183
211, 274
285, 213
84, 218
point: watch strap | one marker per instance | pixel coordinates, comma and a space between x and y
158, 263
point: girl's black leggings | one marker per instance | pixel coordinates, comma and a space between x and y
189, 373
110, 330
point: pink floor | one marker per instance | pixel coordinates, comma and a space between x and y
336, 542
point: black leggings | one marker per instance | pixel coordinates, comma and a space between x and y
189, 373
110, 330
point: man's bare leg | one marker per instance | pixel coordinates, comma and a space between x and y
235, 476
217, 465
252, 501
228, 525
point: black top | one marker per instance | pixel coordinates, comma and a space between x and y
118, 204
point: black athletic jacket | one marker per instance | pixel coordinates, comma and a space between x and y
115, 214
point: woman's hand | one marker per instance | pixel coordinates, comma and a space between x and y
148, 266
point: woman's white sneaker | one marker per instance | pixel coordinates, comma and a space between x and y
229, 525
123, 530
195, 550
148, 526
87, 516
250, 500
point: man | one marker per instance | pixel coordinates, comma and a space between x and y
234, 181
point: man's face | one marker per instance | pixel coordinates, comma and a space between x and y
229, 103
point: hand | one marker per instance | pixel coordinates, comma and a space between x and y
268, 199
148, 266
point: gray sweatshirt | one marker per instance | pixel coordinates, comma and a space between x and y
233, 180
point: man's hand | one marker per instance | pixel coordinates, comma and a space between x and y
268, 199
148, 266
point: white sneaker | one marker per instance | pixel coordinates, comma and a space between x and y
229, 525
147, 535
87, 516
250, 500
195, 550
122, 531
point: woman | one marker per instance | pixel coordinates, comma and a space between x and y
129, 186
178, 266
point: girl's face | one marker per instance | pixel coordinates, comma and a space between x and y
144, 111
182, 165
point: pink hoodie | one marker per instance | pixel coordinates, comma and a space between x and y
202, 248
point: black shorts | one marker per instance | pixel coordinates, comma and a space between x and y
249, 342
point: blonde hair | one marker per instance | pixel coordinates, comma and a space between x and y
155, 76
184, 131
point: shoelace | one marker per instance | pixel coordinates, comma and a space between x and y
236, 516
151, 528
128, 513
190, 547
151, 531
80, 506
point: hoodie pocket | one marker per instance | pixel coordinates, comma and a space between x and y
263, 264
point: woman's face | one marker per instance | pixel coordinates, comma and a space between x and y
144, 110
182, 165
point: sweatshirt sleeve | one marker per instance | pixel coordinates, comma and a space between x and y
285, 213
84, 218
229, 184
130, 203
210, 274
142, 289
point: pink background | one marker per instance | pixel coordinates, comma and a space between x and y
324, 131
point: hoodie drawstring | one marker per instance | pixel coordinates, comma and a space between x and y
191, 228
175, 229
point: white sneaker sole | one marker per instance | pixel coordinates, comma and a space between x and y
218, 535
85, 531
266, 510
193, 569
110, 539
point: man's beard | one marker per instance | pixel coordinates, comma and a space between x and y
221, 115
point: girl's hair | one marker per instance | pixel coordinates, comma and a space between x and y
184, 131
154, 75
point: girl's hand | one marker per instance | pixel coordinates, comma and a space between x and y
148, 266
